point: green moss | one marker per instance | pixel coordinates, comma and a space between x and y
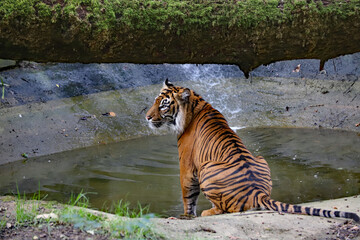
170, 15
105, 31
10, 9
43, 11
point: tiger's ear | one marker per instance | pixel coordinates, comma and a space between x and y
184, 97
168, 84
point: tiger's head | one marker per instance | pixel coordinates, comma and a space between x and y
170, 108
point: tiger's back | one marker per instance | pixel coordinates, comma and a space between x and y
222, 162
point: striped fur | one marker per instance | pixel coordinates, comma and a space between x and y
213, 159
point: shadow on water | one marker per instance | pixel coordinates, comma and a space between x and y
306, 164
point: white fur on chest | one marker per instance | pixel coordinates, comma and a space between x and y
179, 126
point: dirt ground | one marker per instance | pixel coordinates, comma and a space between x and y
57, 231
248, 225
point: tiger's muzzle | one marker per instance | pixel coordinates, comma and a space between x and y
154, 123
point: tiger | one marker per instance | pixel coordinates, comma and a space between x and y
213, 159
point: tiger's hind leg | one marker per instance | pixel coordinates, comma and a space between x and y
212, 211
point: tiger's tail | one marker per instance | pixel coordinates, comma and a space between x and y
274, 205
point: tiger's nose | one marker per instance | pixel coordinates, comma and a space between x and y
148, 118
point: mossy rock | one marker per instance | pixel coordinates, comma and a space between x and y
247, 33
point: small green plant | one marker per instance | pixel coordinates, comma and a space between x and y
2, 224
79, 200
37, 195
25, 212
122, 208
119, 227
140, 228
3, 85
80, 217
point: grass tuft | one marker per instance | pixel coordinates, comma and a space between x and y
26, 211
123, 209
80, 200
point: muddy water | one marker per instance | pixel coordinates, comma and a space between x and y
306, 164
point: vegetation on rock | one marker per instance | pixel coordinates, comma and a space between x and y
247, 33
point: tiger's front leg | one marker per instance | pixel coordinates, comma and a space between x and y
190, 191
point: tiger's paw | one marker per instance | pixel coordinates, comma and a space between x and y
187, 216
212, 211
